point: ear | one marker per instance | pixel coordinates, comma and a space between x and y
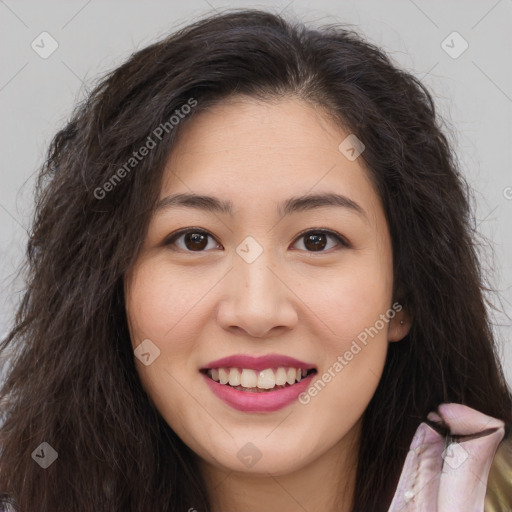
399, 326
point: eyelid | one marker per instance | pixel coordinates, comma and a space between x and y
334, 234
169, 240
173, 236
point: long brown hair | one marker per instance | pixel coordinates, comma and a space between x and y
72, 381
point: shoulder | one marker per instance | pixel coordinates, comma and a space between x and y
498, 497
488, 445
450, 460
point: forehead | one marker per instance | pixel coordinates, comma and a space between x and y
254, 152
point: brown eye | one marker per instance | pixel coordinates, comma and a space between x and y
318, 240
193, 240
196, 241
315, 241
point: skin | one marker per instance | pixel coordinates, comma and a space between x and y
292, 300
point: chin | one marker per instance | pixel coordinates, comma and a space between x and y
259, 457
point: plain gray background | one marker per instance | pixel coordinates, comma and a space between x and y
472, 90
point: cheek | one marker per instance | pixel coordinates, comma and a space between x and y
164, 308
163, 305
354, 306
353, 356
350, 300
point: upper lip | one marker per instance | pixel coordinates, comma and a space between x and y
258, 363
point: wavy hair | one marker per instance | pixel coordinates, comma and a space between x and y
72, 380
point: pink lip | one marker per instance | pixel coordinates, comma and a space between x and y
258, 363
267, 401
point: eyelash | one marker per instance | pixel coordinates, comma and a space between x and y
172, 238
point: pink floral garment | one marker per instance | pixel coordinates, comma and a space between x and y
442, 474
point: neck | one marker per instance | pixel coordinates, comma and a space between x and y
325, 485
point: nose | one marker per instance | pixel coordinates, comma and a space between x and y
257, 301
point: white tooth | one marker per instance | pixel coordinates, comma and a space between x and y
214, 374
248, 379
223, 376
280, 376
304, 372
298, 375
234, 377
266, 379
291, 375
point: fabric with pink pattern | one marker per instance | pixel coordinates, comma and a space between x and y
449, 473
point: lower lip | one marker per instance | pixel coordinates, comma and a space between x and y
267, 401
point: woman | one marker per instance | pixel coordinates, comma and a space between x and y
253, 285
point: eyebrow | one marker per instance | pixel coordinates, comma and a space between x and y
291, 205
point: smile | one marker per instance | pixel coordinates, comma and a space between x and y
249, 380
264, 383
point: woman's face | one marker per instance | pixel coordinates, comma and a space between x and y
263, 286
